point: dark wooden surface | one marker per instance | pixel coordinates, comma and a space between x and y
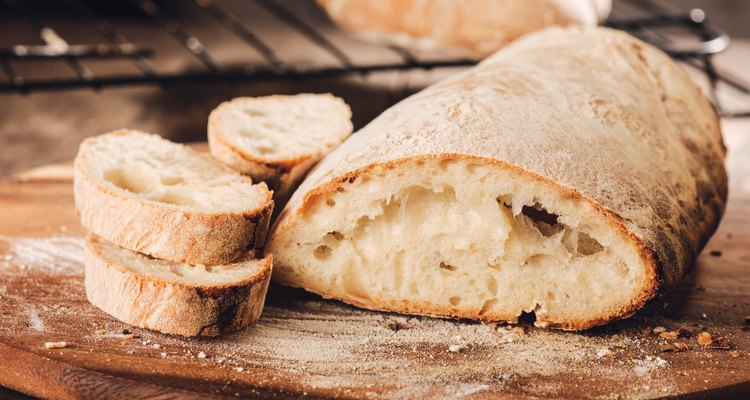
304, 345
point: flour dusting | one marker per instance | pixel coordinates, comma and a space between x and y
35, 322
53, 255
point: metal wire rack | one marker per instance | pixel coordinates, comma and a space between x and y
113, 46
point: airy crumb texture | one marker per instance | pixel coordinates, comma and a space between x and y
464, 239
525, 184
170, 174
276, 139
175, 298
163, 199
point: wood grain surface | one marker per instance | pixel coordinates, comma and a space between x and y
306, 346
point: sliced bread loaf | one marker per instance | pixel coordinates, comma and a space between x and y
525, 184
175, 298
277, 139
163, 199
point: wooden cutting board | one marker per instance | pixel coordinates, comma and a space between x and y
306, 346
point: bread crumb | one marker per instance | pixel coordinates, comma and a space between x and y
157, 345
704, 316
518, 330
676, 347
735, 353
56, 345
642, 367
669, 335
164, 355
705, 339
8, 257
603, 352
201, 355
455, 348
100, 331
239, 369
659, 329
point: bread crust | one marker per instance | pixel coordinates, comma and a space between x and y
172, 307
164, 231
666, 203
281, 175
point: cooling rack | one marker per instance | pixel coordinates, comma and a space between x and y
686, 35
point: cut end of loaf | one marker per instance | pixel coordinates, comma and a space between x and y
175, 298
464, 238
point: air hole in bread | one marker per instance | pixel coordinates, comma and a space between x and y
491, 285
528, 317
322, 252
487, 306
587, 245
174, 199
545, 222
172, 180
576, 242
446, 267
540, 260
133, 180
455, 300
336, 235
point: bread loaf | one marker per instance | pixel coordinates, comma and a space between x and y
163, 199
175, 298
573, 182
479, 26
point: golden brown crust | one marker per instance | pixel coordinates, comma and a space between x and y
173, 307
165, 231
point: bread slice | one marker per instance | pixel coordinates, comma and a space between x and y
479, 26
163, 199
526, 184
175, 298
277, 139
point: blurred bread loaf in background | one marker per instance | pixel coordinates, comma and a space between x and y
478, 26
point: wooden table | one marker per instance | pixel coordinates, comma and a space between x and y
306, 346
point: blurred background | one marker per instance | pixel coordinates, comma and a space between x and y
76, 68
